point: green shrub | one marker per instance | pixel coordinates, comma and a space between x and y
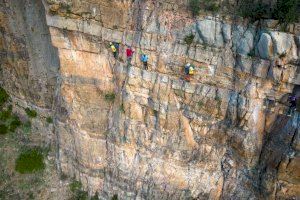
287, 11
194, 6
78, 193
115, 197
110, 97
210, 5
30, 161
15, 123
213, 7
75, 186
26, 127
5, 115
3, 129
253, 10
3, 96
49, 120
189, 39
30, 113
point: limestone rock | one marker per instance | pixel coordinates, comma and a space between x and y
284, 43
265, 46
151, 134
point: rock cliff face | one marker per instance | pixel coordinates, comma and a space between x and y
148, 134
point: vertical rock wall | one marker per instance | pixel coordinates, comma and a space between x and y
161, 137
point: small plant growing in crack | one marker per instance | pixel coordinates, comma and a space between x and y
110, 97
122, 109
189, 39
200, 104
30, 113
219, 103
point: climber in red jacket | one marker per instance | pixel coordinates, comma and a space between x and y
129, 54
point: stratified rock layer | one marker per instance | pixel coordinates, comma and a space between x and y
148, 134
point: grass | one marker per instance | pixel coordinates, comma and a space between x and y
3, 96
30, 161
30, 113
189, 39
110, 97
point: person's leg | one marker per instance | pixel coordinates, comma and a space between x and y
115, 54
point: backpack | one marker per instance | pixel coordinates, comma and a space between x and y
191, 70
113, 48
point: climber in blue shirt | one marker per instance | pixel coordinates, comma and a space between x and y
144, 59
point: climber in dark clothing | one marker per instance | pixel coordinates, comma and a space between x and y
293, 104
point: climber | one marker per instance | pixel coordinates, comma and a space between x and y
129, 54
292, 107
114, 49
188, 71
144, 59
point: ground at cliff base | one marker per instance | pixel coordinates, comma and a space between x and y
39, 184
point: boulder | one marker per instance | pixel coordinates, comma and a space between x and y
284, 43
265, 46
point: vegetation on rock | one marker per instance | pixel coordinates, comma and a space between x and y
9, 122
77, 191
189, 39
194, 6
115, 197
5, 114
211, 5
30, 113
49, 120
26, 127
286, 11
15, 123
110, 97
3, 129
3, 96
30, 161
